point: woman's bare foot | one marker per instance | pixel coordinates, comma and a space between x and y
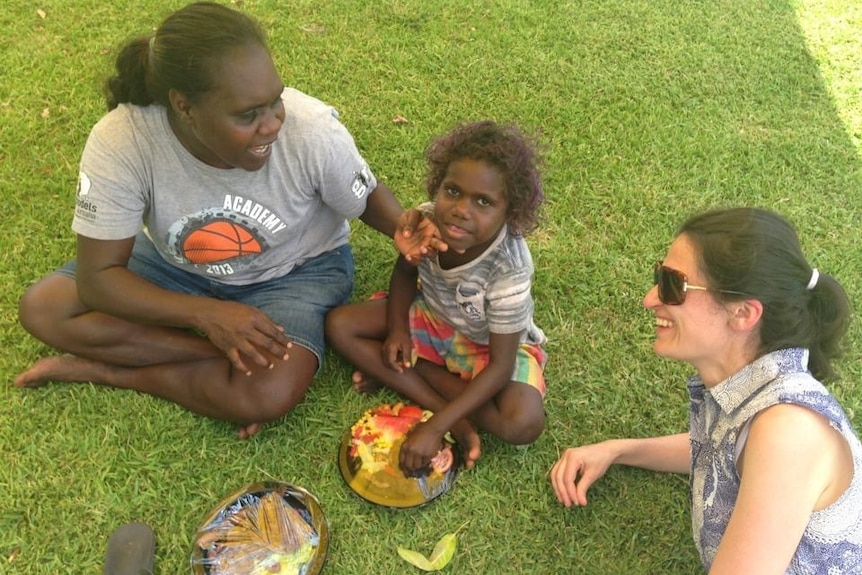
468, 442
65, 368
363, 385
250, 430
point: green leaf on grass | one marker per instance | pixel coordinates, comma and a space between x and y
415, 558
440, 556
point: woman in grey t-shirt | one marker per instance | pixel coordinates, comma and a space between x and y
212, 201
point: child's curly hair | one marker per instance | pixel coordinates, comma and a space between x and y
503, 146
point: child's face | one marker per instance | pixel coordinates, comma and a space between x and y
471, 206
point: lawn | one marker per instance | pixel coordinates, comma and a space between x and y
649, 110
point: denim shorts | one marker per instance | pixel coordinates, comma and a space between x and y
298, 301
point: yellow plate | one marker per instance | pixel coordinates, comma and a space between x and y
368, 461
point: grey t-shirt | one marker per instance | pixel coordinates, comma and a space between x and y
488, 294
231, 225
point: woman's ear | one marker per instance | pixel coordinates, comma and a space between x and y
746, 314
180, 105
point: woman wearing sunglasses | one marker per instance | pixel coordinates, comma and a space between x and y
775, 465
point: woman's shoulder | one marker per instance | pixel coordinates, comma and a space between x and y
301, 107
785, 438
802, 390
127, 137
128, 124
131, 116
796, 435
311, 124
790, 420
806, 422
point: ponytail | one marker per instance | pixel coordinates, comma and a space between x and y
829, 310
129, 84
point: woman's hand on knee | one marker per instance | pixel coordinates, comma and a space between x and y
242, 331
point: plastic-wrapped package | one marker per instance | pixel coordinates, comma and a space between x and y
264, 528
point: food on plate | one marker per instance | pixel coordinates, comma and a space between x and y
369, 461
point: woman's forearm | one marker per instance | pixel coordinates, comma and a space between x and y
671, 453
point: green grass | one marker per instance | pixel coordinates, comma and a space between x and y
649, 109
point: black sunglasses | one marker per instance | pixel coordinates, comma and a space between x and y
673, 285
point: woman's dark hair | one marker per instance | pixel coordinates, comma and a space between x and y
183, 54
506, 148
756, 252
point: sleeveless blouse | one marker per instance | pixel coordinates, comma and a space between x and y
832, 541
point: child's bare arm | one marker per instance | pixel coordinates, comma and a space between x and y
502, 350
397, 347
425, 439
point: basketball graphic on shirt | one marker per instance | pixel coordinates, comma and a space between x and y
218, 241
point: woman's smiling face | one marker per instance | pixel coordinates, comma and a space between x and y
698, 331
235, 124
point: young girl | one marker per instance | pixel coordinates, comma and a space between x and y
776, 467
456, 333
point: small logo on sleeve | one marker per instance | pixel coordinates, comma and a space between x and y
84, 208
361, 182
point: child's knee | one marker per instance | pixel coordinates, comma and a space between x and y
335, 325
523, 429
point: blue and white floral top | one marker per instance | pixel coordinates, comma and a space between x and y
832, 541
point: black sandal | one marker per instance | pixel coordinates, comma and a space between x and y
131, 550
